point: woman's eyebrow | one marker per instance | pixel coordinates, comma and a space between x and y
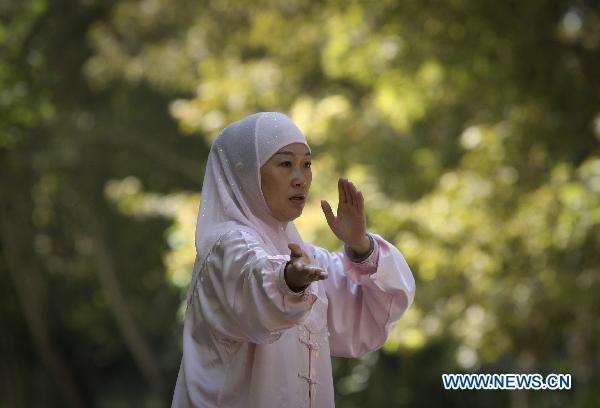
292, 153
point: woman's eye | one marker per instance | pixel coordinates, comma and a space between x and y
286, 164
308, 165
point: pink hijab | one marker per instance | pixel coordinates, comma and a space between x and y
231, 194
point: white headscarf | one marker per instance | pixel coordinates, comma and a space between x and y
231, 194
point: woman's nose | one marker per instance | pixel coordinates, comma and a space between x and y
299, 180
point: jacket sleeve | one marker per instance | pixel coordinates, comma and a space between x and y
242, 293
365, 299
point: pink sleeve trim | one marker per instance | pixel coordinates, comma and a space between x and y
367, 266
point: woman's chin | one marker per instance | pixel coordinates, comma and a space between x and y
290, 215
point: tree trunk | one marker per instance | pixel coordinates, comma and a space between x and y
130, 331
29, 285
107, 275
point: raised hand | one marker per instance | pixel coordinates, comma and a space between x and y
299, 273
349, 225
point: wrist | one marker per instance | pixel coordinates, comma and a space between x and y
363, 248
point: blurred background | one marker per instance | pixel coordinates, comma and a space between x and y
472, 127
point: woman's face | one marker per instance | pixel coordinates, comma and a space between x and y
285, 180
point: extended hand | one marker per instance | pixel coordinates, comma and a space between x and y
299, 273
349, 225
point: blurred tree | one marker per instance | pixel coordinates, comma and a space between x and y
82, 279
472, 127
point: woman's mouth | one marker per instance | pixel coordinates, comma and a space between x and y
298, 199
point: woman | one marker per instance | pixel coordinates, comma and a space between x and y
266, 310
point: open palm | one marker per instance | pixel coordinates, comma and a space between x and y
349, 225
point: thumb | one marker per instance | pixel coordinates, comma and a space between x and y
296, 251
328, 213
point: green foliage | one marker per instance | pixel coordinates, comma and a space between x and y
471, 127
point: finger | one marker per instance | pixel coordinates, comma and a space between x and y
322, 275
309, 269
352, 193
342, 191
296, 251
349, 193
328, 213
361, 203
316, 278
316, 273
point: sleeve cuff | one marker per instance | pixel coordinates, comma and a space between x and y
366, 265
361, 259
